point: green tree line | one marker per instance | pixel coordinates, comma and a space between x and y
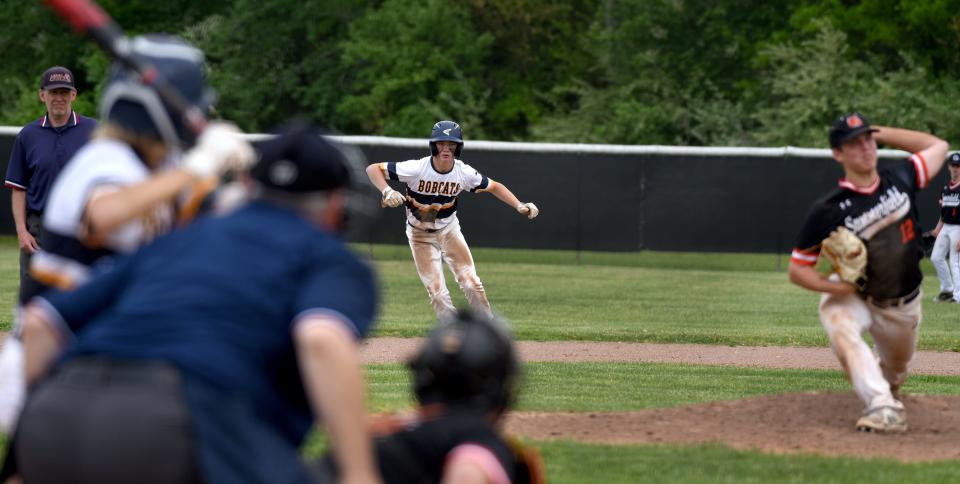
675, 72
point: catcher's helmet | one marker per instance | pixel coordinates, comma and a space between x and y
446, 131
468, 361
137, 107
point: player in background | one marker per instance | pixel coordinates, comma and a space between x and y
40, 151
880, 208
946, 249
433, 186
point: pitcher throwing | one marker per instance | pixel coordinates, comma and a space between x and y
877, 209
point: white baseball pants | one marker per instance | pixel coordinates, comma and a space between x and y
894, 330
430, 250
946, 259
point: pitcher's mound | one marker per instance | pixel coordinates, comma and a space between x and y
821, 423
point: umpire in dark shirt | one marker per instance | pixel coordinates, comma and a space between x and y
208, 355
42, 148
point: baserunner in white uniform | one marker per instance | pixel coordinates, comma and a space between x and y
433, 184
946, 250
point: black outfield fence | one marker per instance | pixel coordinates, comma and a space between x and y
628, 198
622, 198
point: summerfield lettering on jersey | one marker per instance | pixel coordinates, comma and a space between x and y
892, 206
438, 188
951, 200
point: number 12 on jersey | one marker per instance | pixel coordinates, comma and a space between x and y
906, 231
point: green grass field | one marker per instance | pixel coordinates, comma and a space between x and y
618, 387
729, 299
726, 299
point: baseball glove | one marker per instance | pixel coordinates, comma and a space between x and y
926, 242
847, 254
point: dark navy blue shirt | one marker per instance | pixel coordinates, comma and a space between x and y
41, 151
219, 300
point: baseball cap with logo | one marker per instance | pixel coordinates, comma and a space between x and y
954, 159
57, 77
847, 127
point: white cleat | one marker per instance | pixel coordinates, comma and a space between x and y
883, 419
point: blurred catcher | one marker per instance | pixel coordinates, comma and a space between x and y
464, 378
868, 228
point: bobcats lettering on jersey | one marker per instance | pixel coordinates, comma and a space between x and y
432, 195
441, 188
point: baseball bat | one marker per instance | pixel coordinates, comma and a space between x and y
87, 18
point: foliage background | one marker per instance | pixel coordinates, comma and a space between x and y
677, 72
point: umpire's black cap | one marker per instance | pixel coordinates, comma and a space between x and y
847, 127
953, 158
299, 159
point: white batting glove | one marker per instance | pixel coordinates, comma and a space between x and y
393, 198
220, 149
528, 209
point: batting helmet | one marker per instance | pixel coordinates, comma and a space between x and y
446, 131
468, 361
136, 107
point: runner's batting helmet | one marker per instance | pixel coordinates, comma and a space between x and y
468, 361
446, 131
135, 107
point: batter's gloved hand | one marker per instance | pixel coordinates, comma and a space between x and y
220, 149
847, 254
528, 209
392, 198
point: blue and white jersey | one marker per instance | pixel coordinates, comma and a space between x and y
432, 195
67, 251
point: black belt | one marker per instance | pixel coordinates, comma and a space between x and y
107, 371
895, 301
429, 231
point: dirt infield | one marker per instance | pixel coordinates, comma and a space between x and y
818, 423
394, 350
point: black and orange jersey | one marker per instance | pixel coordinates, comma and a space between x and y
884, 215
950, 203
